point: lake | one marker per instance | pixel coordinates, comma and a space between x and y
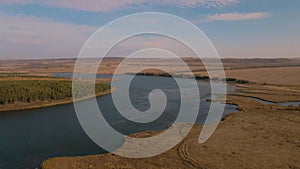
29, 137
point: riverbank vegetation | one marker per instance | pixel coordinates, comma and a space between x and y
28, 91
197, 77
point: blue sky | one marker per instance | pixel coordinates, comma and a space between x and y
237, 28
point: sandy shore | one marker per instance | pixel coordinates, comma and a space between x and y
259, 136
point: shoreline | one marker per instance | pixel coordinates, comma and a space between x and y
246, 124
54, 103
45, 104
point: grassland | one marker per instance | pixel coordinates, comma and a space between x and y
259, 136
271, 75
108, 65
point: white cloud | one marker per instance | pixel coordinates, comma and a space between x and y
236, 16
194, 3
104, 6
136, 43
32, 37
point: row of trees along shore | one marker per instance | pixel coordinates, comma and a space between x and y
40, 90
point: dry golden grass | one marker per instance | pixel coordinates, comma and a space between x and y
259, 136
278, 75
108, 65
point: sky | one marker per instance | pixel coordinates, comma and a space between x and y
48, 29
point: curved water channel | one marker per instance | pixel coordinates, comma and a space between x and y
263, 101
29, 137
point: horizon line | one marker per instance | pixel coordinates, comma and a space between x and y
74, 58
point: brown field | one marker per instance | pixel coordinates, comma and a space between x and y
278, 75
259, 136
269, 71
108, 66
274, 75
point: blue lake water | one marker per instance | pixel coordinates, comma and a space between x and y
263, 101
29, 137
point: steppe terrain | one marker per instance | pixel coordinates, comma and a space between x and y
260, 135
280, 71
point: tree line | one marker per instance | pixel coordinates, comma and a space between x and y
41, 90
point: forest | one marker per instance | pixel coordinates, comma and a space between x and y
41, 90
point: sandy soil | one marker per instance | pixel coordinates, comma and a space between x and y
259, 136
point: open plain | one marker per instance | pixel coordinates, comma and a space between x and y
260, 135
